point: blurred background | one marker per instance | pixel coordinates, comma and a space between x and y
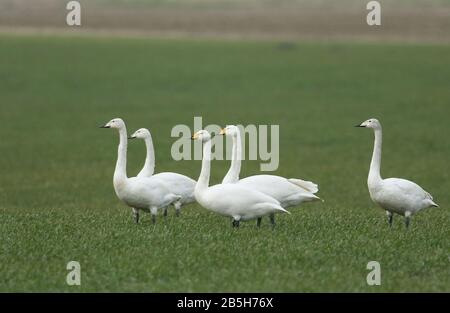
405, 20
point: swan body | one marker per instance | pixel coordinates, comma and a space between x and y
288, 192
176, 183
395, 195
140, 193
236, 201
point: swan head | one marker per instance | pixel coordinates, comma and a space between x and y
142, 133
230, 130
202, 135
117, 123
370, 123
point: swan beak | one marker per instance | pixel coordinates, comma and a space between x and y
223, 131
194, 136
105, 126
360, 125
132, 137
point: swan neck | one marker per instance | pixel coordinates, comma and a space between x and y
120, 172
149, 166
232, 175
375, 164
203, 180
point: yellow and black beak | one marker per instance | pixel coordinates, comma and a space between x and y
223, 131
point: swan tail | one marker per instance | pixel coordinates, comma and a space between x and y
318, 198
430, 199
307, 185
279, 208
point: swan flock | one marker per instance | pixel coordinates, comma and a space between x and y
249, 198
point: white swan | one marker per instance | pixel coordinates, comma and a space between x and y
178, 184
140, 193
289, 192
239, 202
395, 195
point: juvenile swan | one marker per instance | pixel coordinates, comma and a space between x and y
395, 195
289, 192
178, 184
238, 202
140, 193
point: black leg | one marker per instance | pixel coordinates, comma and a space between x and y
177, 207
407, 219
272, 220
235, 224
390, 218
153, 219
136, 216
165, 212
258, 222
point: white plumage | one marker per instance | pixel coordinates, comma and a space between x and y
141, 193
236, 201
395, 195
289, 192
178, 184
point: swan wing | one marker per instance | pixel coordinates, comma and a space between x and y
307, 185
279, 188
178, 184
235, 200
402, 195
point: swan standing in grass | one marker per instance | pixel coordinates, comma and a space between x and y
178, 184
395, 195
289, 192
140, 193
239, 202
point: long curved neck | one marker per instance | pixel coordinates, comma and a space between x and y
232, 175
149, 166
120, 172
375, 164
203, 180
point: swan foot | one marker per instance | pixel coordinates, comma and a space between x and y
258, 222
390, 218
407, 219
236, 224
272, 220
136, 216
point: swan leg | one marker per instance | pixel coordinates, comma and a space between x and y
136, 215
390, 217
236, 223
258, 221
154, 211
165, 212
177, 206
407, 219
272, 220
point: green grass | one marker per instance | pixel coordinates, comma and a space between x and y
57, 201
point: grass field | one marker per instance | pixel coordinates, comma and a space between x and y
57, 201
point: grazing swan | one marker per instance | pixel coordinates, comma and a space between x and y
178, 184
395, 195
140, 193
239, 202
289, 192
